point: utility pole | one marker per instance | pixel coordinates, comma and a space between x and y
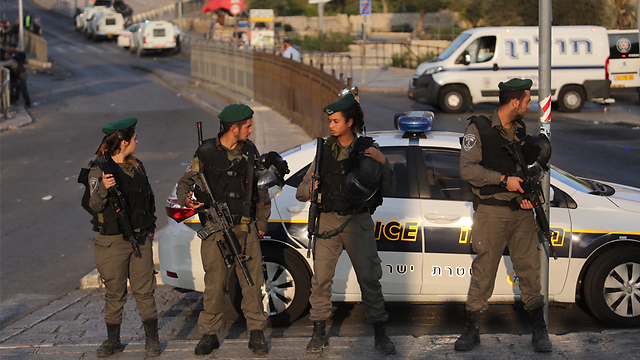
544, 123
21, 21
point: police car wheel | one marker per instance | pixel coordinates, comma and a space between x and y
454, 99
287, 285
571, 98
612, 287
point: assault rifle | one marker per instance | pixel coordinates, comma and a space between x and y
531, 185
219, 219
314, 212
118, 203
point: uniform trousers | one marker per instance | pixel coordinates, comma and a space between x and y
215, 277
358, 239
495, 227
116, 263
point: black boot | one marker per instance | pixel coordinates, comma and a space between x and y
257, 343
382, 341
112, 345
471, 335
207, 344
152, 344
318, 338
540, 336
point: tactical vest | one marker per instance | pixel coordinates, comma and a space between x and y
333, 174
227, 179
494, 157
139, 199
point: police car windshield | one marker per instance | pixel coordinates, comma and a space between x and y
454, 45
573, 181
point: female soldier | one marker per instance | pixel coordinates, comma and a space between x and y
116, 258
348, 219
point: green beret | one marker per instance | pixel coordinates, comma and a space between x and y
110, 128
235, 112
516, 84
344, 103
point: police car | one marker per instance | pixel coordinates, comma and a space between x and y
423, 232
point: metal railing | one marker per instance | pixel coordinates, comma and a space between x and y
395, 54
5, 93
337, 63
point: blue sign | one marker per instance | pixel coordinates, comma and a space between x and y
365, 7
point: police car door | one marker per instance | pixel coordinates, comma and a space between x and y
397, 233
447, 211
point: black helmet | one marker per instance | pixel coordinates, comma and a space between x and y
541, 141
362, 182
270, 175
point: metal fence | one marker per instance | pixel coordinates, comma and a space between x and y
395, 54
5, 93
297, 90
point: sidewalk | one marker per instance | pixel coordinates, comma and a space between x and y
17, 116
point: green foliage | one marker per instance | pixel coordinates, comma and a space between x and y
287, 27
326, 42
402, 28
410, 61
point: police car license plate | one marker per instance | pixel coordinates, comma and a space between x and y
624, 77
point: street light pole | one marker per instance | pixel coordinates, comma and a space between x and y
20, 21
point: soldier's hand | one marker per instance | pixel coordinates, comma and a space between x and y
261, 234
108, 180
526, 204
376, 155
513, 184
194, 204
311, 185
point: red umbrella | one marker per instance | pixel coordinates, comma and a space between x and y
233, 6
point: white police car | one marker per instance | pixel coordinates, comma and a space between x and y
424, 237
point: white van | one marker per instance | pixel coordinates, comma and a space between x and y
86, 14
154, 35
623, 65
470, 69
105, 24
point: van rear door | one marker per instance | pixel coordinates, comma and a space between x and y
624, 61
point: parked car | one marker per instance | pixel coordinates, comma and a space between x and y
154, 36
423, 232
124, 37
623, 64
105, 24
86, 14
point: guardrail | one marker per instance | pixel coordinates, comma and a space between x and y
35, 45
153, 14
5, 92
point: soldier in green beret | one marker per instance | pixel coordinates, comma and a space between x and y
492, 174
346, 219
115, 257
229, 162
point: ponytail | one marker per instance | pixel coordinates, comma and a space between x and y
110, 146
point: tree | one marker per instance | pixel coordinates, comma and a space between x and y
423, 7
625, 14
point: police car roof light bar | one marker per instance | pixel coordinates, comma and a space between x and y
415, 123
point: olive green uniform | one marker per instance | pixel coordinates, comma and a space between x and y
216, 272
357, 238
116, 262
495, 227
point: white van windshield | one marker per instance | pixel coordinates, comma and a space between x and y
454, 45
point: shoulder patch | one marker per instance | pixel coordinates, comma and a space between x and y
93, 185
469, 141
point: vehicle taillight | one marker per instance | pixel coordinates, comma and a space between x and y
171, 274
97, 27
606, 69
144, 39
179, 214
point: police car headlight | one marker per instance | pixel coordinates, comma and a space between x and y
433, 70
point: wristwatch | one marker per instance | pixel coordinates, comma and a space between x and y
503, 182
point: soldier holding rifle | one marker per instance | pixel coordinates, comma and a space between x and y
229, 161
353, 177
123, 206
502, 218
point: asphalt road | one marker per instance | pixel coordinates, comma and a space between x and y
45, 244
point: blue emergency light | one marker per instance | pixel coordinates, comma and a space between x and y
414, 123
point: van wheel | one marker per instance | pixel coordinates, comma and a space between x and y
454, 99
286, 289
571, 98
612, 287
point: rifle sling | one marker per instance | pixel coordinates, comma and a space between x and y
246, 209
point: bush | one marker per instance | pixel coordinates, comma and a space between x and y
325, 42
410, 61
402, 28
287, 27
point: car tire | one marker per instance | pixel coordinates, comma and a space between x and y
612, 287
571, 98
454, 99
287, 286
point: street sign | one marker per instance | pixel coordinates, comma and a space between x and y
365, 7
235, 8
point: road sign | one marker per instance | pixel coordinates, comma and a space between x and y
365, 7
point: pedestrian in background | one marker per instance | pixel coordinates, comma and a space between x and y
500, 219
27, 21
229, 162
350, 218
288, 51
114, 256
18, 77
37, 25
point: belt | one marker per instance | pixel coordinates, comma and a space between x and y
491, 201
350, 212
